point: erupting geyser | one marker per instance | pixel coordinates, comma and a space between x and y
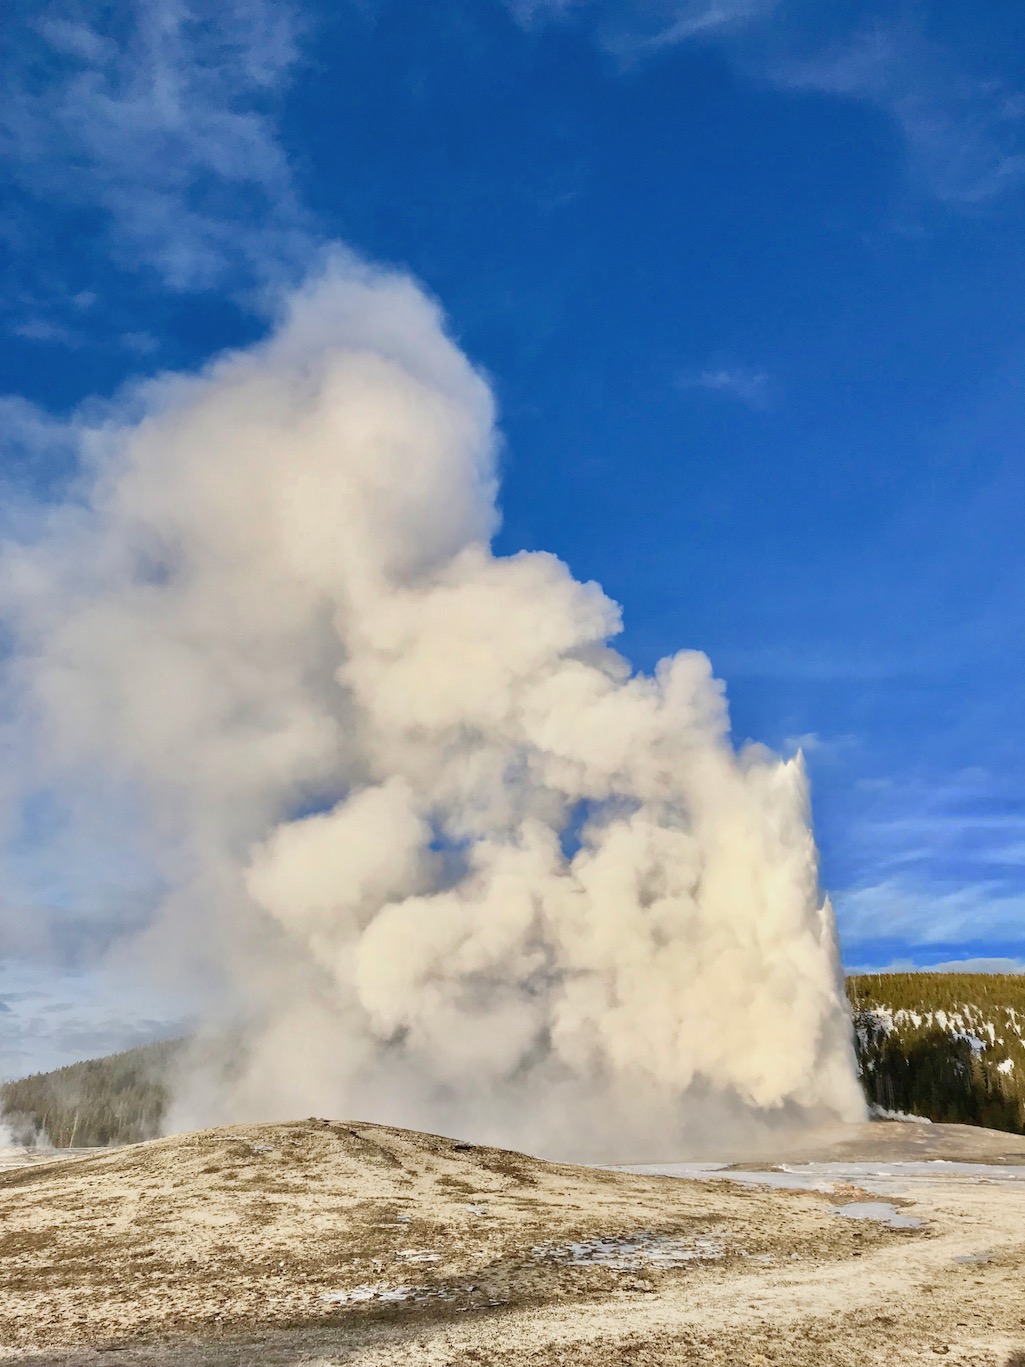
438, 853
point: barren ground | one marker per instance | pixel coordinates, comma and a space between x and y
247, 1246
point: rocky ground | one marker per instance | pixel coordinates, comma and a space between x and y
333, 1243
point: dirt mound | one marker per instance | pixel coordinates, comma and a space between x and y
329, 1243
330, 1223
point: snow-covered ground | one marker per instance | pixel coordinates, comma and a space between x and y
14, 1156
17, 1156
880, 1178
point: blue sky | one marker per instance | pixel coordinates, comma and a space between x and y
747, 279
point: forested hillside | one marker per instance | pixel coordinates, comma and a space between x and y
115, 1100
948, 1046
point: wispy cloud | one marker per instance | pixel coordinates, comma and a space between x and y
980, 965
936, 864
750, 387
680, 22
967, 829
162, 124
917, 911
927, 961
963, 129
50, 1021
828, 748
42, 330
629, 28
964, 133
38, 449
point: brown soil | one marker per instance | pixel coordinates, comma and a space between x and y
218, 1247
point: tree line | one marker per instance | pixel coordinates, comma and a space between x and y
947, 1046
120, 1099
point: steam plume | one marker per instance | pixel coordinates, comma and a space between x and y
444, 856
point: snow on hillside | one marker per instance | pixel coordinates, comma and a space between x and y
944, 1045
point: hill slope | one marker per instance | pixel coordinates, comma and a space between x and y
948, 1046
327, 1224
346, 1242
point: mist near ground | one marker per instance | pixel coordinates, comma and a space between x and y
429, 850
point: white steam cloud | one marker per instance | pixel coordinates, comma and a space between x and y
438, 853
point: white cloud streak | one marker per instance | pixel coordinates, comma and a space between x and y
941, 862
923, 964
632, 28
45, 1024
921, 912
752, 388
964, 131
159, 116
964, 134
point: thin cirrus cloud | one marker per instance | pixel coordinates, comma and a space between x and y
167, 132
979, 963
42, 330
963, 130
971, 827
630, 28
934, 864
917, 910
89, 1014
964, 133
742, 384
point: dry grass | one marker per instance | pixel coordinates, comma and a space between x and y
218, 1247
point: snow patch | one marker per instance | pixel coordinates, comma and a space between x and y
882, 1211
378, 1291
631, 1254
417, 1255
879, 1178
881, 1113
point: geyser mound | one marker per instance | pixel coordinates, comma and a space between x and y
448, 860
